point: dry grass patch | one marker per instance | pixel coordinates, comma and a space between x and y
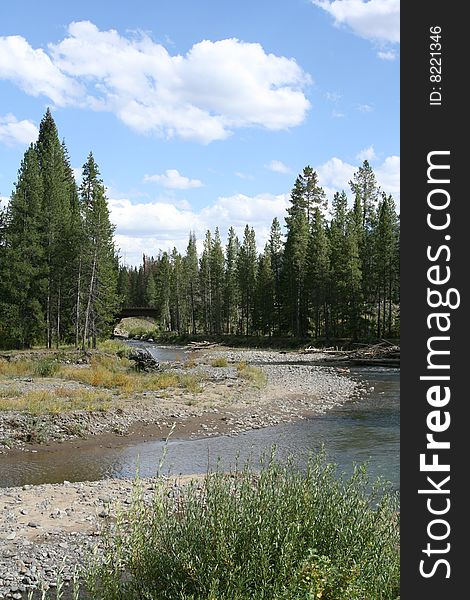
55, 401
17, 368
117, 374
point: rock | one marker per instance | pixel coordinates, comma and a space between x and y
144, 361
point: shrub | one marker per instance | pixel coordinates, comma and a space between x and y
46, 367
221, 361
281, 533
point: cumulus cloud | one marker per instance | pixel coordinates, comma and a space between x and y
376, 20
278, 167
14, 132
204, 95
161, 225
35, 73
366, 154
174, 180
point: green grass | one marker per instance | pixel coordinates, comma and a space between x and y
221, 361
253, 374
281, 534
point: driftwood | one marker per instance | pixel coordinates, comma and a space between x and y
200, 345
382, 354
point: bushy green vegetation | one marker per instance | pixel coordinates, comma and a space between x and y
220, 361
280, 534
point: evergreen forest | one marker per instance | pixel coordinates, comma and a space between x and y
330, 271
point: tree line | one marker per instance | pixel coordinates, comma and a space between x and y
333, 273
58, 264
325, 277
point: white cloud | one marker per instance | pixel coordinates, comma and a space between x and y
174, 180
244, 175
337, 114
366, 154
335, 174
216, 87
77, 173
160, 225
370, 19
147, 227
14, 132
387, 54
375, 20
35, 73
334, 97
278, 167
388, 176
365, 108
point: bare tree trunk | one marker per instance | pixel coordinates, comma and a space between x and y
48, 315
90, 299
58, 319
77, 313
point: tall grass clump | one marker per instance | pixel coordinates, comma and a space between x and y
280, 533
253, 374
220, 361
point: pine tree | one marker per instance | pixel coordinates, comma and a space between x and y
217, 282
387, 274
71, 274
99, 267
230, 282
246, 276
275, 259
295, 261
55, 217
318, 274
265, 293
205, 273
178, 310
23, 277
191, 277
162, 280
366, 192
307, 194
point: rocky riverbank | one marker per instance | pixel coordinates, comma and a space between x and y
52, 528
277, 387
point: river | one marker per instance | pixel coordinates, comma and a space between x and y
366, 430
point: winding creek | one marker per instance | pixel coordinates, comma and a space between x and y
359, 431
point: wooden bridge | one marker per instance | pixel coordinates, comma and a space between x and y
137, 311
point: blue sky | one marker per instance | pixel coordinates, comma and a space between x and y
202, 113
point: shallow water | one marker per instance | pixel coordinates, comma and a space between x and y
362, 430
